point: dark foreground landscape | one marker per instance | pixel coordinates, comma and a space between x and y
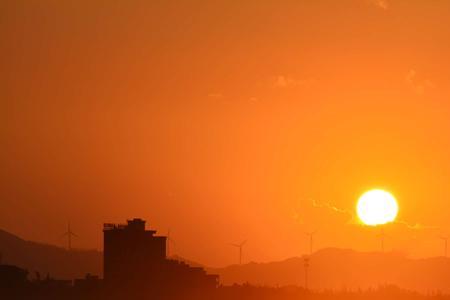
136, 266
48, 290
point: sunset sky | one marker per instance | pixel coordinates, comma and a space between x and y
226, 121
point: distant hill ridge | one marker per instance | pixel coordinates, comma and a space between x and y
334, 268
330, 268
49, 259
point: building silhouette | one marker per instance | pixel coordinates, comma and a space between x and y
12, 277
131, 250
135, 267
136, 258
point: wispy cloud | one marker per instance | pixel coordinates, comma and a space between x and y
383, 4
216, 95
416, 226
419, 86
311, 203
353, 218
333, 208
282, 81
330, 206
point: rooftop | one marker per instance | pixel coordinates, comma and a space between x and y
135, 224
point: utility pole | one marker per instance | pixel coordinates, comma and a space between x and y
306, 264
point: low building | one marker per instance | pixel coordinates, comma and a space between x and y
12, 277
134, 256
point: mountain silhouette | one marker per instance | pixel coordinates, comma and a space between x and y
330, 268
333, 268
48, 259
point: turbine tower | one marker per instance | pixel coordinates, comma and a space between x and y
311, 237
445, 239
69, 233
382, 236
240, 246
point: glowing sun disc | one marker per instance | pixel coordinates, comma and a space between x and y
377, 207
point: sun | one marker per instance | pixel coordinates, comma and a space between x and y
377, 207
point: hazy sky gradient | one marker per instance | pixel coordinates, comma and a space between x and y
224, 121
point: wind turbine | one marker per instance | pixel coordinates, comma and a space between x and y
69, 233
240, 246
445, 239
169, 240
311, 236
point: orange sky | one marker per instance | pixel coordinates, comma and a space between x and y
225, 121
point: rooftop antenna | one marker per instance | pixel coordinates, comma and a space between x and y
311, 236
240, 246
445, 239
69, 233
169, 241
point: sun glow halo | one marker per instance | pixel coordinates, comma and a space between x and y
377, 207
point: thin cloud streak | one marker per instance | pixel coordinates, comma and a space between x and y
331, 207
216, 95
416, 226
383, 4
282, 81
